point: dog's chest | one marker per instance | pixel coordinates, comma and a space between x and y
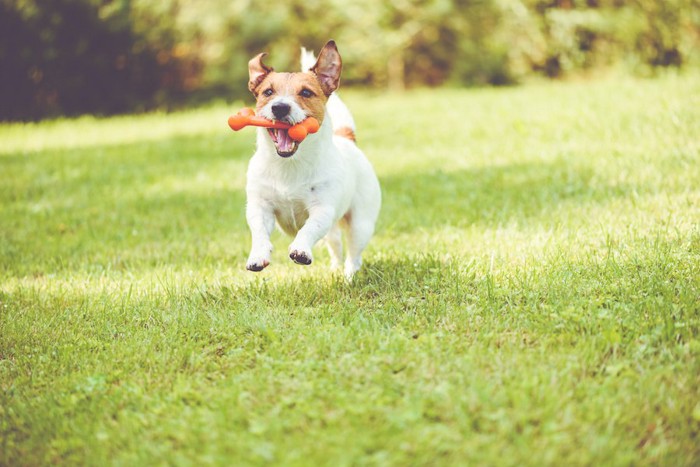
291, 214
291, 205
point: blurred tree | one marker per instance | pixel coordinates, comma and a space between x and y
581, 34
76, 56
107, 56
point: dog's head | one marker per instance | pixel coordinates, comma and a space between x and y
292, 97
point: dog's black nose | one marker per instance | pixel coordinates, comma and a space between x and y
280, 110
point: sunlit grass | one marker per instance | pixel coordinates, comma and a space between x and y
531, 295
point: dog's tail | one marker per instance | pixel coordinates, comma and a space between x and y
343, 123
308, 59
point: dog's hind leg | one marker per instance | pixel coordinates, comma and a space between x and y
358, 234
335, 246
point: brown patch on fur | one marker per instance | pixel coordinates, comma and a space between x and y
292, 85
346, 132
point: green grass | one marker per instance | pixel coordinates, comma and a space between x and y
532, 294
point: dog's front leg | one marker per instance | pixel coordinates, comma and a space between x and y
261, 221
316, 227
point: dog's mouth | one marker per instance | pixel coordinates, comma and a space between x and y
286, 146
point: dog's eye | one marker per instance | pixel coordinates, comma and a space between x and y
306, 93
268, 92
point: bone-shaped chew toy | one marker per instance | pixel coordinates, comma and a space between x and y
246, 117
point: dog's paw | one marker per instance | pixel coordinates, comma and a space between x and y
257, 265
259, 257
301, 257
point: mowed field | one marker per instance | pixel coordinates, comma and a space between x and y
531, 296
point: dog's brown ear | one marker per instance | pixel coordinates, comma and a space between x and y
257, 71
328, 67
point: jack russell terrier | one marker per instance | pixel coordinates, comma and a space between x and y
319, 187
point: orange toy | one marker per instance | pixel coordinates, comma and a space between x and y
246, 117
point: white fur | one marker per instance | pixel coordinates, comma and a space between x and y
341, 114
326, 187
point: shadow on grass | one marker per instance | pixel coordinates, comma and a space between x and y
377, 280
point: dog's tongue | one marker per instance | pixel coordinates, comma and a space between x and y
284, 142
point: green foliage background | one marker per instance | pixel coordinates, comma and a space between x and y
76, 56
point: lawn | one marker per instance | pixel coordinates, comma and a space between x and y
531, 296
